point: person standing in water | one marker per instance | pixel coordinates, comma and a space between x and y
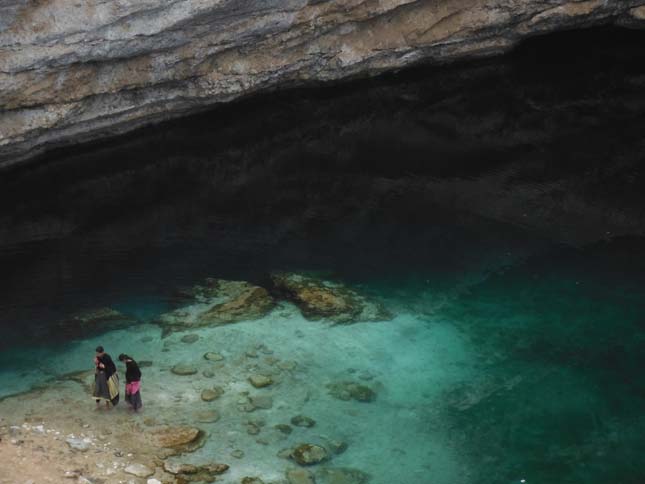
106, 379
132, 382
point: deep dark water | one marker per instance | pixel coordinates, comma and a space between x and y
502, 197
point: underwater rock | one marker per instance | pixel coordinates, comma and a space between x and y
92, 322
189, 338
220, 302
208, 373
299, 476
336, 446
139, 470
322, 299
251, 480
237, 453
181, 438
340, 475
309, 454
284, 428
210, 356
260, 381
207, 416
209, 395
264, 402
183, 369
348, 390
195, 473
145, 364
303, 421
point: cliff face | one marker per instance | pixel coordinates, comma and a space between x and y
73, 71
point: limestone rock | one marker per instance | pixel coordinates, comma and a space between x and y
139, 470
210, 394
181, 438
190, 338
91, 322
322, 299
219, 302
260, 381
210, 356
183, 369
340, 475
78, 71
261, 401
348, 390
206, 416
309, 454
303, 421
299, 476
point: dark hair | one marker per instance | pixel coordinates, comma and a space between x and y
123, 357
99, 349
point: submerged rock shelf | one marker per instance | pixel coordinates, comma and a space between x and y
73, 72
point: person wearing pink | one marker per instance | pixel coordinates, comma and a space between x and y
132, 382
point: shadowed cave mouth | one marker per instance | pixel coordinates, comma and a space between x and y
367, 178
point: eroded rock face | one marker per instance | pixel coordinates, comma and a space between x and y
77, 71
331, 300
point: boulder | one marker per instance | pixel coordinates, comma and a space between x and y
323, 299
348, 390
219, 302
260, 381
183, 369
303, 421
179, 438
210, 356
210, 394
309, 454
261, 401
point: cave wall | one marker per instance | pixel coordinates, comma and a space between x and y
77, 71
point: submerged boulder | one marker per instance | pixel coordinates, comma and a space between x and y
179, 438
92, 321
349, 390
218, 302
341, 475
331, 300
309, 454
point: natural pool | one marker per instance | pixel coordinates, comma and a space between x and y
503, 239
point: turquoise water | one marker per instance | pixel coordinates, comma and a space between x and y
514, 270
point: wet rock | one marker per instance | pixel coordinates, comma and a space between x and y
287, 365
220, 302
284, 428
252, 429
183, 369
210, 356
322, 299
190, 338
139, 470
251, 480
336, 446
260, 381
309, 454
209, 395
79, 444
264, 402
348, 390
237, 453
153, 481
179, 468
180, 438
299, 476
206, 416
92, 322
340, 475
303, 421
285, 453
208, 373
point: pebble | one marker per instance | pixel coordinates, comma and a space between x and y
237, 453
260, 381
210, 356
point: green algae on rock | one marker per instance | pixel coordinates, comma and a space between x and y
219, 302
323, 299
309, 454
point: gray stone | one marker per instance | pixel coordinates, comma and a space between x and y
260, 381
74, 71
79, 444
139, 470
